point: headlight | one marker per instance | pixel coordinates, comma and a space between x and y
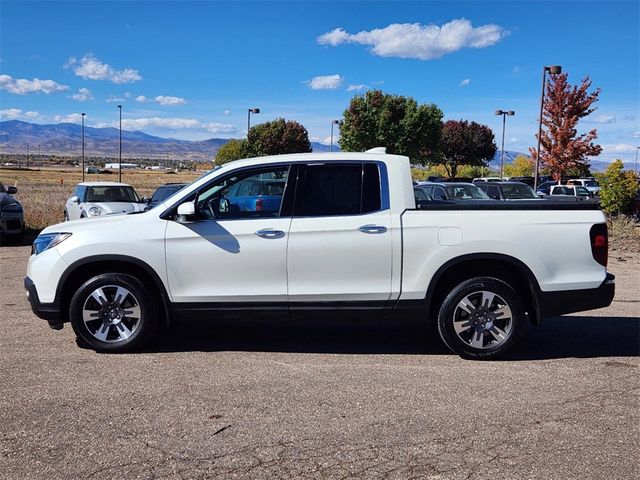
11, 207
48, 240
95, 212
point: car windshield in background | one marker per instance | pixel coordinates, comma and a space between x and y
112, 194
516, 191
163, 193
420, 194
465, 192
591, 183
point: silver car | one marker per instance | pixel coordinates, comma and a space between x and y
11, 215
96, 199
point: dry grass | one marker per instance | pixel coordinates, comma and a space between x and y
624, 235
43, 193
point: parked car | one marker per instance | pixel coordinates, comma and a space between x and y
526, 180
11, 216
545, 187
347, 237
487, 179
262, 194
578, 192
589, 183
97, 199
452, 191
507, 190
163, 192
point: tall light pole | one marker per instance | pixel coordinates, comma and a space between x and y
27, 157
120, 147
82, 114
251, 110
504, 114
333, 122
553, 70
635, 166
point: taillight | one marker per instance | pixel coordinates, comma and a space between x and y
258, 204
600, 243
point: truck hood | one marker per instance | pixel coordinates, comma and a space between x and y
76, 226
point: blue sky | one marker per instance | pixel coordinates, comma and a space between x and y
191, 69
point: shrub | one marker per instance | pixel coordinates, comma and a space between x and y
619, 188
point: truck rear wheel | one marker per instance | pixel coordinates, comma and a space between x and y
113, 312
481, 318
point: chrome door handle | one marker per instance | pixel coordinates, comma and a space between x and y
270, 233
372, 229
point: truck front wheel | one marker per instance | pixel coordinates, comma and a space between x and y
481, 318
113, 312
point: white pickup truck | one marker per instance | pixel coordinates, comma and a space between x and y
324, 232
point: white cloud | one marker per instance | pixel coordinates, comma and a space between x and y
357, 88
618, 148
636, 134
602, 119
326, 82
71, 118
83, 95
464, 82
162, 100
227, 112
326, 140
216, 127
22, 86
91, 68
11, 113
171, 101
16, 113
113, 99
414, 40
170, 123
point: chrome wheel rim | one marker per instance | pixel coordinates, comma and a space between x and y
483, 320
111, 313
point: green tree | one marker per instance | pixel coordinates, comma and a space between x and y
619, 188
465, 143
232, 150
376, 119
278, 137
522, 166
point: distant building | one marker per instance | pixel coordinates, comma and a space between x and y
124, 165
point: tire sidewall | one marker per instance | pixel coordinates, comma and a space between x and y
446, 315
148, 312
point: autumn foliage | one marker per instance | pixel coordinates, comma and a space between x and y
562, 148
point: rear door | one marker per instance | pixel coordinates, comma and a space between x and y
340, 245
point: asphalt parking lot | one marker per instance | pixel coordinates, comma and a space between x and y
320, 399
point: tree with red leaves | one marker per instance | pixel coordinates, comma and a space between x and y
562, 148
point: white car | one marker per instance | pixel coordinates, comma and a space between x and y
340, 233
97, 199
589, 183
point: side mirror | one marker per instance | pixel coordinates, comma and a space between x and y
186, 212
12, 190
74, 199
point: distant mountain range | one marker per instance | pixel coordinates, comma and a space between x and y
66, 138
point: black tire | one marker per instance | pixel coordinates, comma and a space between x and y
488, 327
135, 314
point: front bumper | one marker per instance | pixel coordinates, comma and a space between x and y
571, 301
47, 311
12, 223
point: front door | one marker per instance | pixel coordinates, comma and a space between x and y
235, 251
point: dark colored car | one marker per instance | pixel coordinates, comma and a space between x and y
453, 191
11, 215
526, 180
544, 188
507, 190
165, 191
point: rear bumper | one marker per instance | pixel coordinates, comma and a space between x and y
571, 301
47, 311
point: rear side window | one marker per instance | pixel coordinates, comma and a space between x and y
338, 189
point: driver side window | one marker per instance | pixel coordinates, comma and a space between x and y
255, 193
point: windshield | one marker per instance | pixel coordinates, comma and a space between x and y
162, 193
465, 192
591, 183
112, 194
517, 190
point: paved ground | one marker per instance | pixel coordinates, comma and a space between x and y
320, 399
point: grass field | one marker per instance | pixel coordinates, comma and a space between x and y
43, 193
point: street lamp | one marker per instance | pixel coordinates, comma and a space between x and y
635, 166
333, 122
553, 70
504, 114
82, 114
120, 148
251, 110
